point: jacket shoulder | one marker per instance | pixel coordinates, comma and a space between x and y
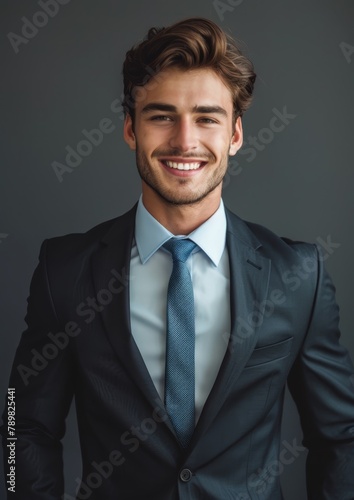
271, 240
76, 244
269, 243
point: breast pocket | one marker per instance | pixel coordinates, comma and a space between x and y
269, 353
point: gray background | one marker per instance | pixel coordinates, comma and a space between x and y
65, 79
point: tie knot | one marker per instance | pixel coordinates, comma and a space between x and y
180, 248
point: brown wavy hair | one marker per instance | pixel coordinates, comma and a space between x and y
189, 44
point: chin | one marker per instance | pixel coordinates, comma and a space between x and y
173, 198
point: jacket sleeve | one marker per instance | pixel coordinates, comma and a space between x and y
42, 378
322, 385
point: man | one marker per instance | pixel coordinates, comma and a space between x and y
177, 325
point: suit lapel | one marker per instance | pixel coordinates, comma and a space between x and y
249, 282
112, 260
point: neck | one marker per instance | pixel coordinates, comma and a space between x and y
182, 219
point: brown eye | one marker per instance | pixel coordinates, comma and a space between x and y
207, 120
160, 118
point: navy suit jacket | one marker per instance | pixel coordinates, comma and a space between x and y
78, 343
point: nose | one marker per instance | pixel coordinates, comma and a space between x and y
184, 136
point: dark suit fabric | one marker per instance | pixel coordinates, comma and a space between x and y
126, 438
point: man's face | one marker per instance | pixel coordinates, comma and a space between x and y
183, 134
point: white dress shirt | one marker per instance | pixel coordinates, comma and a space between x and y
150, 271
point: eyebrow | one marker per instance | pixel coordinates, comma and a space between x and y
157, 106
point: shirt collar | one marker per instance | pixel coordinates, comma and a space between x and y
150, 235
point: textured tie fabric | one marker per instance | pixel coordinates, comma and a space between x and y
179, 374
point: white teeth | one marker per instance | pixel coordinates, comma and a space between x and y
183, 166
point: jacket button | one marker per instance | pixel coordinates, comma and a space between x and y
185, 475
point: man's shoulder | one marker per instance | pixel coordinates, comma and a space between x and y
269, 243
87, 241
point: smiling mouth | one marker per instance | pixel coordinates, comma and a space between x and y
184, 165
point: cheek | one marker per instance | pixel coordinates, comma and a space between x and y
219, 145
151, 140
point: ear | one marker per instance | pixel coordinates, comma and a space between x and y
129, 135
237, 138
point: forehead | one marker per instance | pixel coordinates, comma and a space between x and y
185, 89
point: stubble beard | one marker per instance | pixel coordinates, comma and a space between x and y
173, 197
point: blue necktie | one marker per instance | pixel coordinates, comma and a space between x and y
179, 373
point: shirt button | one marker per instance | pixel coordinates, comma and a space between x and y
185, 475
